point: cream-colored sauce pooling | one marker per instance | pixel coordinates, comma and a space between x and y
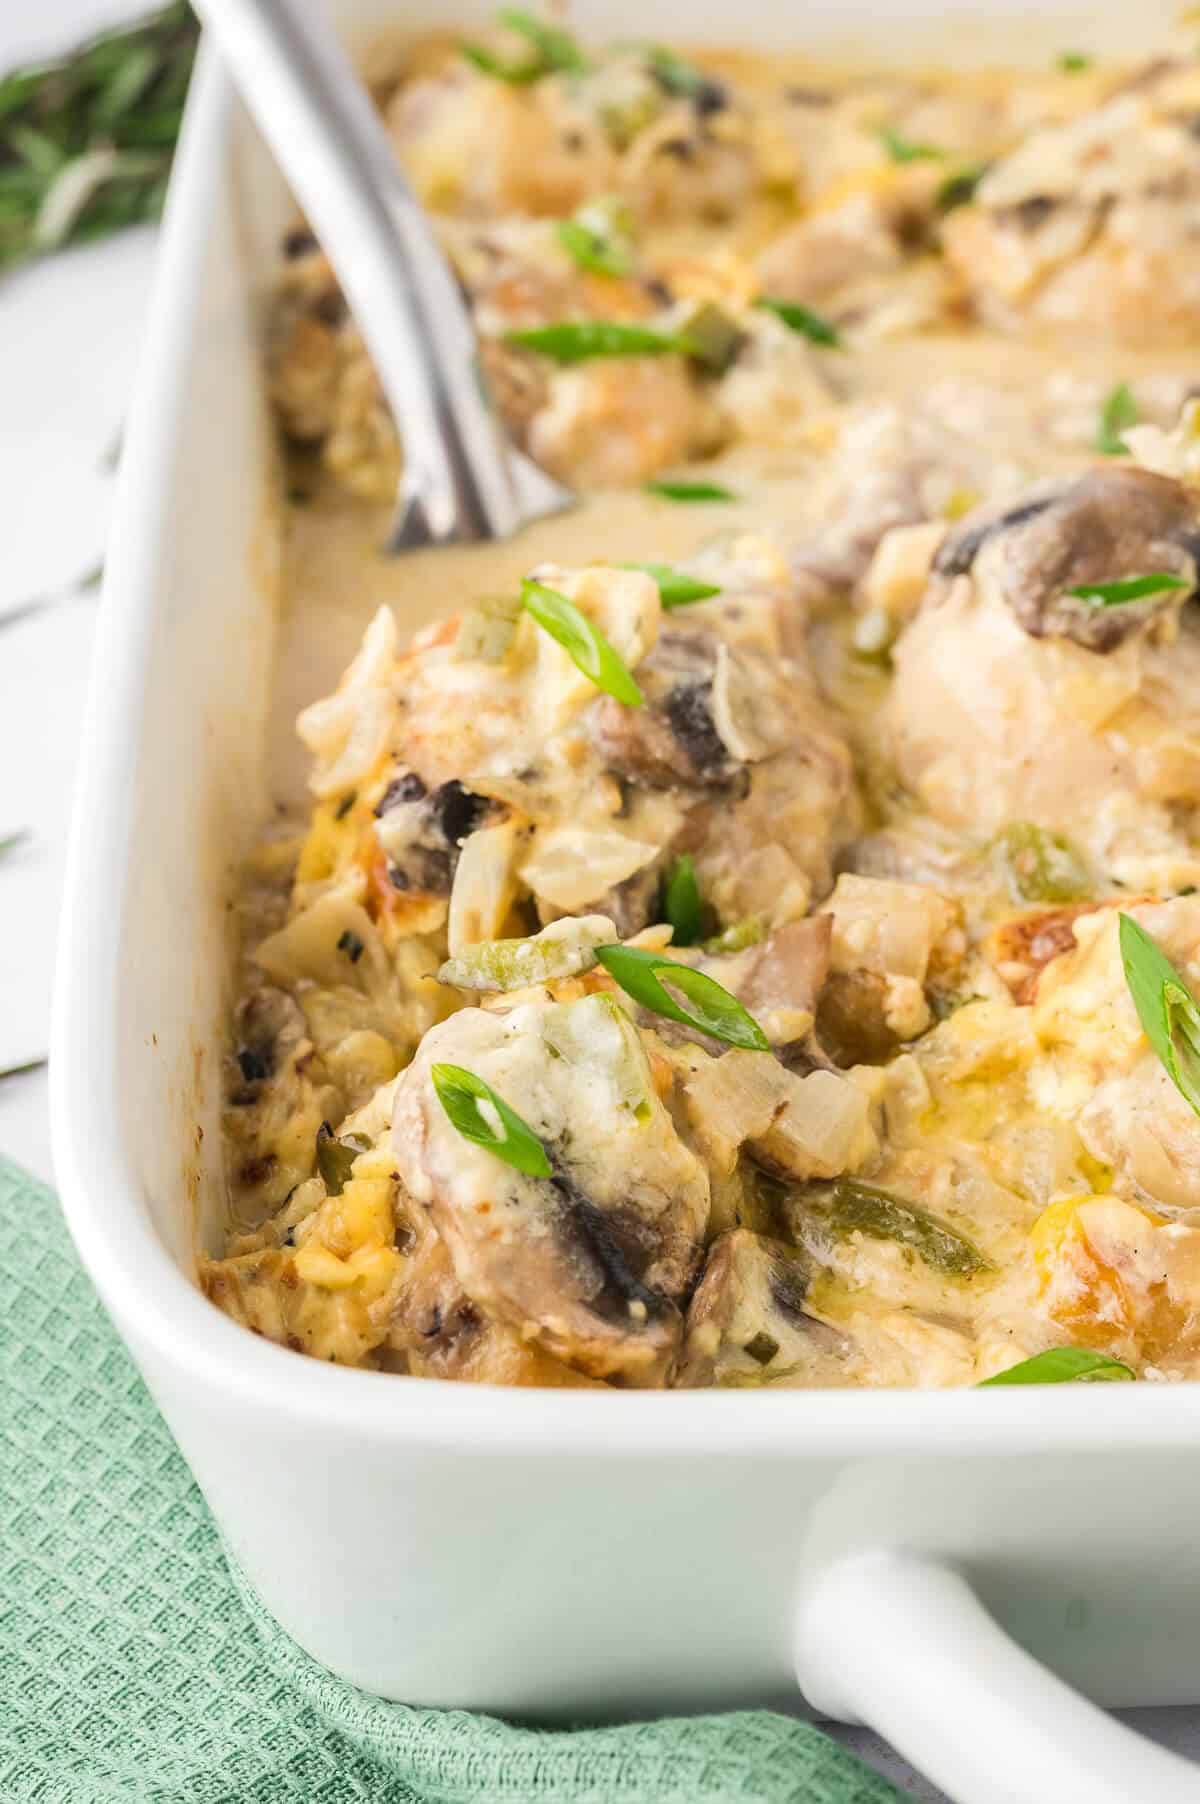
937, 354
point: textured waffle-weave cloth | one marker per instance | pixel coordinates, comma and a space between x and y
137, 1668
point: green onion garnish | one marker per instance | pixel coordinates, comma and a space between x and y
335, 1158
594, 246
583, 643
682, 906
1166, 1008
674, 74
865, 1209
1130, 588
799, 318
675, 587
958, 189
903, 150
11, 841
477, 1113
689, 491
574, 341
717, 1012
554, 51
1062, 1365
1117, 415
1072, 62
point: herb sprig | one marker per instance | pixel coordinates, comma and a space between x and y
86, 140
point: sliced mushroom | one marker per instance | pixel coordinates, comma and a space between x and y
674, 738
422, 830
748, 1323
1114, 522
591, 1263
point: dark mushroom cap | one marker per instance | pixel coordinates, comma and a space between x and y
1112, 523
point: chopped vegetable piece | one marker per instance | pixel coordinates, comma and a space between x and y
1062, 1365
682, 906
958, 189
1166, 1008
737, 937
1042, 866
861, 1208
583, 643
599, 237
689, 491
712, 337
575, 341
335, 1158
762, 1348
10, 841
553, 50
675, 587
640, 974
23, 1069
1129, 588
475, 1111
563, 949
903, 150
344, 806
1118, 414
351, 945
805, 320
675, 75
1073, 62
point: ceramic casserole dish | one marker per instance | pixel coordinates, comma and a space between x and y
546, 1553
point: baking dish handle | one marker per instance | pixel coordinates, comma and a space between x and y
902, 1643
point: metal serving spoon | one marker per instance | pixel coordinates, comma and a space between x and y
462, 480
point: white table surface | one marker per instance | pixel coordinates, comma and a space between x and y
69, 335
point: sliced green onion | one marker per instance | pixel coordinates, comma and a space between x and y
805, 320
675, 75
1041, 866
675, 587
958, 189
864, 1209
682, 906
11, 841
1062, 1365
1073, 62
1165, 1006
717, 1012
335, 1158
575, 341
594, 245
736, 938
500, 1129
554, 50
1129, 588
904, 150
689, 491
1117, 415
583, 643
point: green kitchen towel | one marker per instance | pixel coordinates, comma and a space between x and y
137, 1668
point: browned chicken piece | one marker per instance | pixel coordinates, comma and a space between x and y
593, 1262
1019, 950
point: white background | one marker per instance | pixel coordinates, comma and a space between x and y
69, 335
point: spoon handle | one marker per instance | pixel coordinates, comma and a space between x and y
461, 482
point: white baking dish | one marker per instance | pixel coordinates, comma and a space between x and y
546, 1552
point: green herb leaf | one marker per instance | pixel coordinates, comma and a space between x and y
583, 643
682, 906
1129, 588
675, 587
335, 1158
1117, 415
958, 189
640, 975
594, 240
1041, 866
478, 1114
86, 140
675, 75
862, 1208
1165, 1006
902, 150
1072, 62
575, 341
1062, 1365
689, 491
554, 51
799, 318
